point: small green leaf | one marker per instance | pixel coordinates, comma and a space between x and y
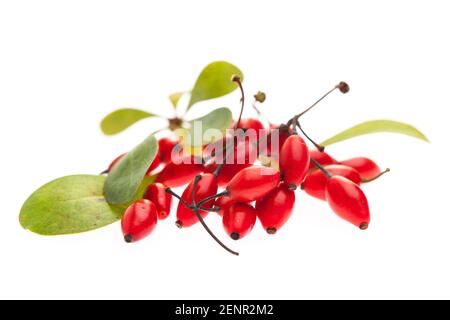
71, 204
202, 130
124, 179
119, 120
175, 97
214, 81
375, 126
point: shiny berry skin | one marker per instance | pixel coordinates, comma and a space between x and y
238, 220
294, 161
251, 123
156, 193
176, 175
348, 201
207, 186
139, 220
155, 164
223, 203
367, 168
316, 182
276, 132
165, 147
322, 158
275, 208
253, 183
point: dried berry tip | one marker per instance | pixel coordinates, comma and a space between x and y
343, 87
128, 238
292, 187
364, 226
271, 230
235, 236
235, 78
260, 97
179, 224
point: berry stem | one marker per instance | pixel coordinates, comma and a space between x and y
321, 168
318, 146
200, 218
170, 191
221, 194
377, 176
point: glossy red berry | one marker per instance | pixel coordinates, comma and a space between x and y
156, 193
165, 147
316, 182
276, 132
253, 124
139, 220
322, 158
367, 168
294, 161
206, 186
253, 183
223, 203
275, 208
348, 201
238, 220
155, 164
176, 175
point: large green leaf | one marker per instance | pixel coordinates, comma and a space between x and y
214, 81
375, 126
202, 130
67, 205
119, 120
126, 176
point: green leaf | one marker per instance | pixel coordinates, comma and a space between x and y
175, 97
375, 126
125, 177
202, 130
121, 119
71, 204
214, 81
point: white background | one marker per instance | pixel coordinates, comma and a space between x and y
65, 64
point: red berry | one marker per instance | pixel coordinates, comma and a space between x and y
253, 124
223, 203
238, 220
206, 186
316, 182
176, 175
348, 201
294, 161
276, 132
367, 168
166, 146
139, 220
155, 164
322, 158
156, 193
275, 208
253, 183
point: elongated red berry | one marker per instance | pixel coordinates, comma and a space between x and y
366, 167
276, 133
253, 183
322, 158
176, 175
316, 182
156, 193
348, 201
139, 220
238, 220
251, 124
155, 164
275, 208
223, 203
207, 186
294, 161
165, 147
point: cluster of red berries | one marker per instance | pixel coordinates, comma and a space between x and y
251, 191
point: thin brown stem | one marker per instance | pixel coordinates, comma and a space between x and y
321, 168
377, 176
